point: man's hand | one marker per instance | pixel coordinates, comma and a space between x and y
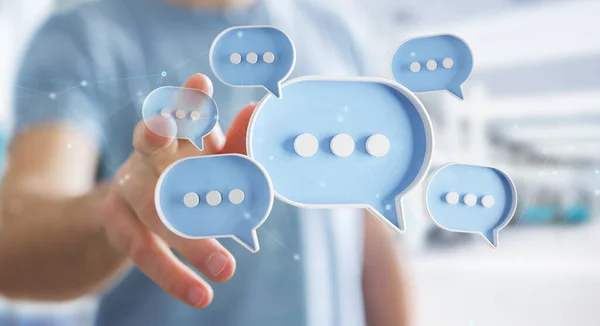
131, 222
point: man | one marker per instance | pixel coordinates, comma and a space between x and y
77, 199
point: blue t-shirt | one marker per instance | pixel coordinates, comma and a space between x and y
93, 66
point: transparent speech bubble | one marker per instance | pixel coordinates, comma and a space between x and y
194, 113
251, 56
433, 63
355, 142
215, 197
471, 199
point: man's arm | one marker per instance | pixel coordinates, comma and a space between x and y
384, 281
50, 248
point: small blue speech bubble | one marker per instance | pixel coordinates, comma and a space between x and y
353, 142
251, 56
433, 63
215, 197
471, 199
194, 112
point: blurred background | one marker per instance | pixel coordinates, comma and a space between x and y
532, 108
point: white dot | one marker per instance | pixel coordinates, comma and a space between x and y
84, 83
195, 115
452, 198
236, 196
415, 67
448, 63
252, 58
306, 145
165, 113
296, 257
342, 145
269, 57
235, 58
470, 199
69, 145
127, 176
214, 198
52, 96
378, 145
431, 65
247, 215
487, 201
180, 114
191, 200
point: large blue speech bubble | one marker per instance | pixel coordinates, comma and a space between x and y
187, 198
433, 63
253, 56
359, 142
471, 199
194, 113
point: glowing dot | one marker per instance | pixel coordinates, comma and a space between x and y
140, 94
52, 96
127, 176
271, 157
388, 207
554, 173
84, 83
377, 195
247, 215
597, 171
412, 54
542, 173
516, 126
121, 182
296, 257
191, 200
322, 184
597, 192
346, 108
240, 34
69, 146
164, 74
340, 118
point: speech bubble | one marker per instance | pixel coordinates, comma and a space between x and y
471, 199
251, 56
352, 142
433, 63
215, 197
194, 112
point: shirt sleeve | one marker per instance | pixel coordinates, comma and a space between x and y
55, 83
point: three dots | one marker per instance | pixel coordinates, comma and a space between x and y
470, 200
252, 58
341, 145
432, 65
180, 114
214, 198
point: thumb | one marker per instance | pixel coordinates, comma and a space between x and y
236, 135
154, 135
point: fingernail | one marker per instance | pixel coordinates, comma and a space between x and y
216, 263
195, 296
